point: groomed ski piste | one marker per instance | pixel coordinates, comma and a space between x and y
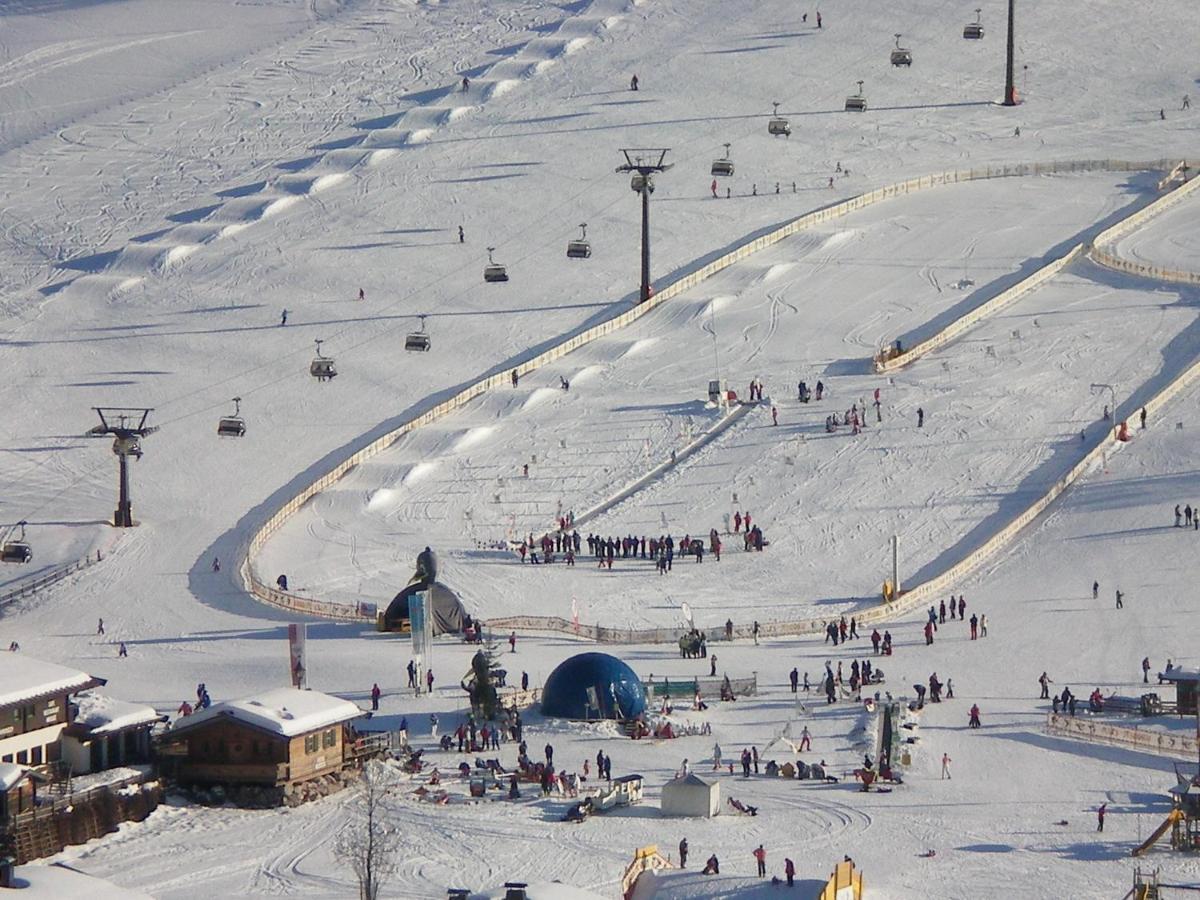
172, 185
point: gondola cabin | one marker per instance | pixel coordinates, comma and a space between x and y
235, 425
579, 248
231, 427
723, 167
974, 31
494, 272
778, 125
16, 552
857, 102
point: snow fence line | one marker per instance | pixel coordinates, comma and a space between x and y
33, 585
1096, 731
288, 601
885, 363
1111, 235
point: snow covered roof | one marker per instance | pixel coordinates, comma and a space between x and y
1182, 673
23, 678
690, 779
284, 711
10, 774
58, 881
104, 715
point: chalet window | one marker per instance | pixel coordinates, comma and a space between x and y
6, 758
206, 748
36, 756
329, 738
310, 744
23, 758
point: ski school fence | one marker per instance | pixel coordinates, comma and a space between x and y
501, 379
1098, 731
887, 362
1110, 236
33, 585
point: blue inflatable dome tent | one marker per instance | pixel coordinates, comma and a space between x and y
593, 686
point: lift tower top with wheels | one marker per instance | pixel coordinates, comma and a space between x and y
127, 425
644, 163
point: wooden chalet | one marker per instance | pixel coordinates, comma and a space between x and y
273, 739
35, 708
1187, 687
106, 732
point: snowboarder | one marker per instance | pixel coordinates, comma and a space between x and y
945, 765
283, 317
760, 856
1100, 816
375, 694
683, 853
633, 83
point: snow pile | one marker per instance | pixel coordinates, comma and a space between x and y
58, 881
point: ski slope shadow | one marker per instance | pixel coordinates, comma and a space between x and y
1176, 356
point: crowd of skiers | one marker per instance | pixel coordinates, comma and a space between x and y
660, 550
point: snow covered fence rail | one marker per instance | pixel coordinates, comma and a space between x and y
971, 319
33, 585
285, 600
1099, 731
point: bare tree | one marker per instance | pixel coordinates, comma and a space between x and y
367, 843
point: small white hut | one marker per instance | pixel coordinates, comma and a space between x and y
691, 796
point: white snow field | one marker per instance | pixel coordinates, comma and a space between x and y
176, 175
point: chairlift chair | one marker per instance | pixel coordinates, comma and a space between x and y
493, 271
778, 124
17, 551
858, 102
419, 339
235, 425
974, 30
579, 249
724, 165
901, 56
322, 368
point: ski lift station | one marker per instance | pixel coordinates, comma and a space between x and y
235, 425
